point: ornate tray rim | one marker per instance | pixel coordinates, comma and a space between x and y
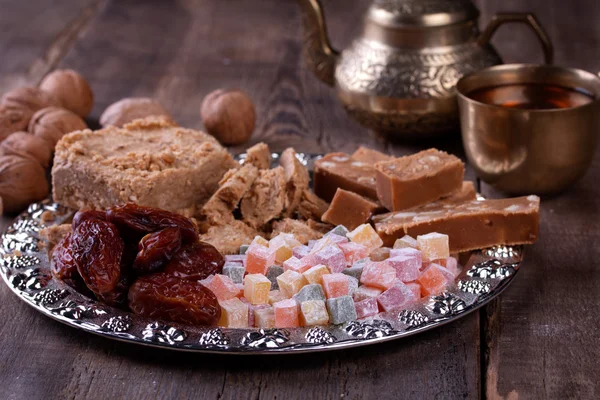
25, 268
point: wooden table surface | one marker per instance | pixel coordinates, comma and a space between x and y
539, 340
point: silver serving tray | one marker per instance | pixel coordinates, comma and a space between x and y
25, 268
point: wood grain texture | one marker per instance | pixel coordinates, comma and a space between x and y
530, 345
542, 341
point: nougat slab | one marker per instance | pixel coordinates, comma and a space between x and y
349, 209
150, 162
417, 179
339, 170
471, 225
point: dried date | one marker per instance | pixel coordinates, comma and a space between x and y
196, 261
156, 249
165, 296
62, 264
97, 250
84, 215
132, 218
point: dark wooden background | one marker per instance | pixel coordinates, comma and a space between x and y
540, 340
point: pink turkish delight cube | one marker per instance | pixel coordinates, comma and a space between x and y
295, 264
365, 292
331, 256
366, 308
223, 287
407, 265
258, 259
378, 274
286, 314
300, 251
236, 258
434, 279
395, 297
354, 251
335, 285
415, 288
451, 265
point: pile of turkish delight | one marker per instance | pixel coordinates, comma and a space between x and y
339, 278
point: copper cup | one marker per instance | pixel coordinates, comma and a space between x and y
529, 150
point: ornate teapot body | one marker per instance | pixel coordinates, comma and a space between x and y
399, 77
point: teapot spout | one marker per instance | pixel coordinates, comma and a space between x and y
320, 56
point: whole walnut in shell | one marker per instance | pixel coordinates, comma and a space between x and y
22, 182
71, 90
24, 144
131, 108
12, 120
228, 115
52, 123
30, 98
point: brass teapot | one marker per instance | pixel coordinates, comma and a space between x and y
398, 78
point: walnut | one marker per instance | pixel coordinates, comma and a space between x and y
22, 182
129, 109
12, 120
26, 145
71, 89
52, 123
228, 115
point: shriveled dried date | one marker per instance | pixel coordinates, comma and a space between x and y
62, 264
84, 215
156, 249
97, 252
145, 220
165, 296
118, 296
196, 261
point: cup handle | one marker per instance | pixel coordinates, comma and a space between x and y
524, 18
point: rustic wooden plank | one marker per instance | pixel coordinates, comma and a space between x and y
541, 340
178, 52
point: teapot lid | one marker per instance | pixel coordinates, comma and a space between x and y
421, 13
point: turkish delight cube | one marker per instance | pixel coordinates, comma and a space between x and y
434, 279
451, 264
223, 287
378, 274
259, 240
258, 259
314, 312
415, 288
295, 264
407, 266
300, 251
366, 308
315, 274
395, 297
275, 296
283, 244
256, 288
286, 314
354, 271
341, 309
244, 249
290, 282
264, 317
331, 256
335, 285
405, 241
380, 254
310, 292
366, 292
365, 234
234, 313
435, 246
272, 273
339, 230
354, 252
352, 284
234, 258
235, 271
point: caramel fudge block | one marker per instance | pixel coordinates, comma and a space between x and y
418, 179
266, 198
228, 238
349, 209
218, 210
300, 229
471, 225
465, 193
339, 170
312, 206
149, 162
370, 156
259, 155
296, 180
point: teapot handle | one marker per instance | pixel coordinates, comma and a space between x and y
524, 18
